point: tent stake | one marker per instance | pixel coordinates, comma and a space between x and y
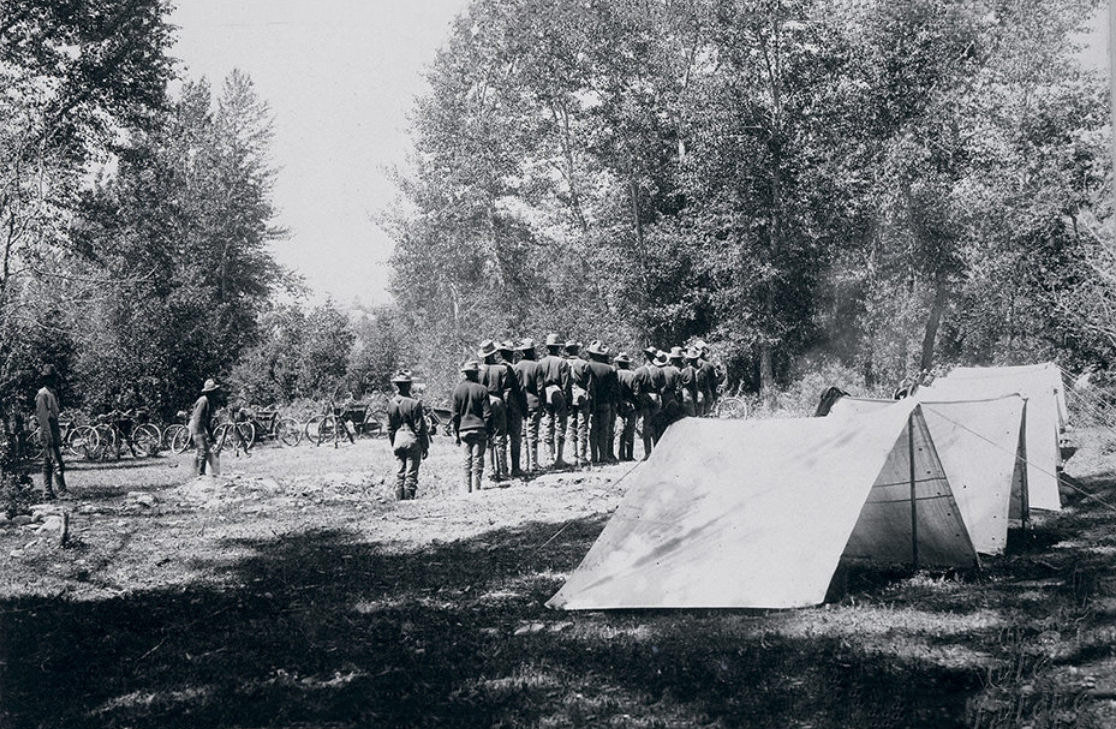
914, 500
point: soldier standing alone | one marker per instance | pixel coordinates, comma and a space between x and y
201, 428
408, 437
46, 410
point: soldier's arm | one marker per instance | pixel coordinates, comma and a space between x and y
393, 422
423, 435
486, 409
517, 393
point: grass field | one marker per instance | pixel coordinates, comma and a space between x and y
295, 592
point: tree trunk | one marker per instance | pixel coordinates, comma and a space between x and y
932, 324
767, 375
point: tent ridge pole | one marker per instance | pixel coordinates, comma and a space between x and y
914, 499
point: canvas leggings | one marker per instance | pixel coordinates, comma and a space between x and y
627, 435
648, 418
406, 476
498, 438
599, 427
577, 431
473, 444
555, 433
203, 455
515, 437
531, 437
53, 465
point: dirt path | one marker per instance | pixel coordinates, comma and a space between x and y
295, 592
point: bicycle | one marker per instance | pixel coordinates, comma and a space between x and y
176, 436
116, 428
79, 441
243, 432
269, 425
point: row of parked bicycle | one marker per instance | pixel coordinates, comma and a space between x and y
115, 434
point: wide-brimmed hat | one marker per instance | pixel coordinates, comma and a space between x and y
553, 340
597, 347
210, 385
402, 376
623, 358
661, 359
693, 353
651, 351
487, 348
572, 346
676, 353
507, 346
527, 345
470, 366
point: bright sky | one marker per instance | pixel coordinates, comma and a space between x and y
341, 76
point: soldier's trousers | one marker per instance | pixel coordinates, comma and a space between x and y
515, 437
627, 435
498, 439
578, 432
473, 444
531, 437
555, 434
598, 440
610, 438
53, 465
648, 416
406, 477
204, 456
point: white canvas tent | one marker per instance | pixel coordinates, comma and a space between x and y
1041, 385
757, 514
981, 445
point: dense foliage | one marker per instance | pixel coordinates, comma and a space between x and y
893, 185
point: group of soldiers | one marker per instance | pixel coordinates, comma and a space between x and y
510, 400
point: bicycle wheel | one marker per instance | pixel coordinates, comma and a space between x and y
288, 432
375, 422
247, 432
179, 441
732, 407
82, 442
220, 437
329, 430
34, 449
147, 438
108, 443
310, 430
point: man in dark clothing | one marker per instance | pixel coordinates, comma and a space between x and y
201, 428
628, 405
407, 434
533, 388
672, 389
709, 372
557, 389
494, 376
47, 410
472, 421
605, 392
516, 403
691, 393
580, 409
649, 379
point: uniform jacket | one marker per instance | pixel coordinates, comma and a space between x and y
629, 388
672, 383
201, 420
471, 410
495, 378
687, 379
406, 411
605, 385
556, 371
650, 379
513, 390
46, 410
710, 378
530, 377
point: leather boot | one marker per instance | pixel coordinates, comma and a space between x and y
558, 462
48, 489
60, 481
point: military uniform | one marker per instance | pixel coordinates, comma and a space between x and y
709, 376
472, 422
649, 386
50, 433
557, 389
580, 408
627, 406
407, 434
495, 376
201, 430
691, 393
516, 403
531, 384
604, 393
672, 392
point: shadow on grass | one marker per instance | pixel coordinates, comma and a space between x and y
322, 629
